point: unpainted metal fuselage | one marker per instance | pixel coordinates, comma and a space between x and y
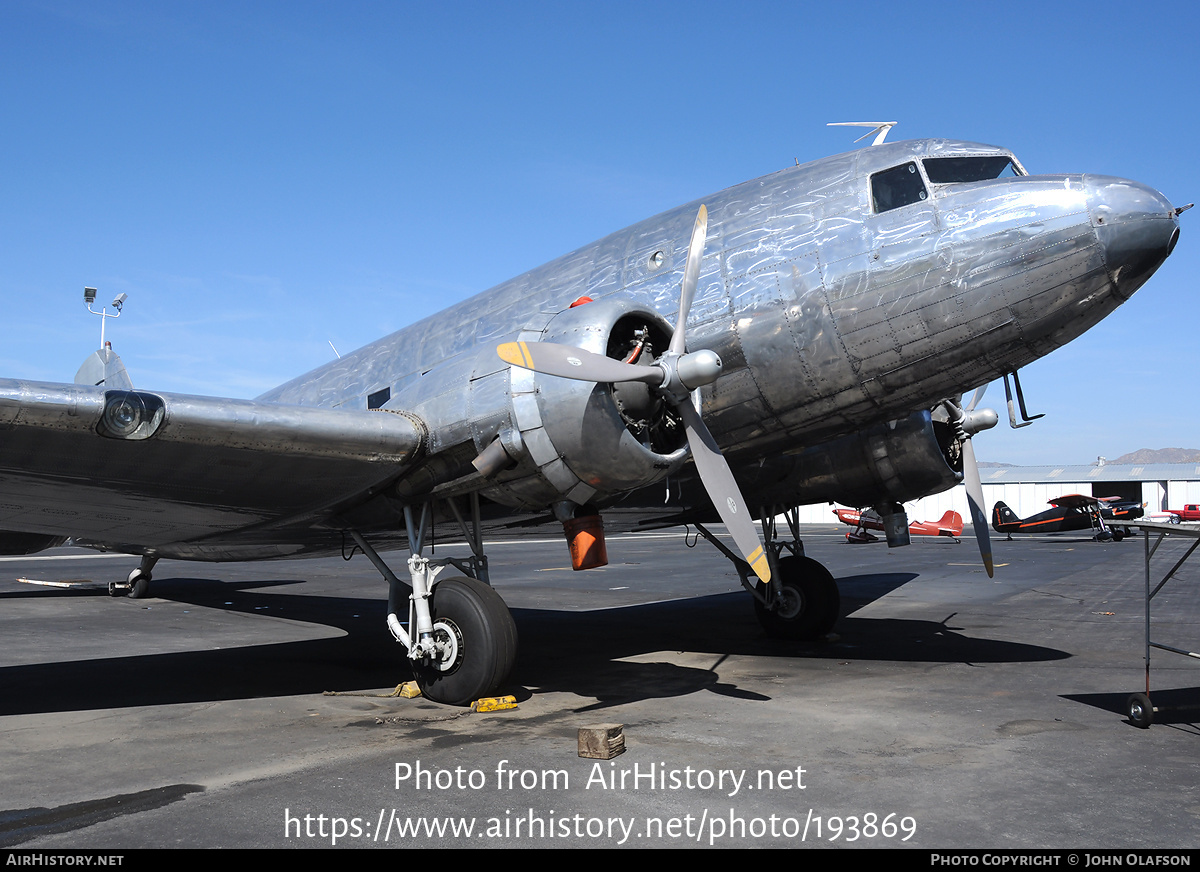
831, 317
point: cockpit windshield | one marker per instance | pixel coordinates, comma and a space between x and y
946, 170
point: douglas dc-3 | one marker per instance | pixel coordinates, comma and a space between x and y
811, 342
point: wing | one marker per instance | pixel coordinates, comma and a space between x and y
190, 477
1073, 501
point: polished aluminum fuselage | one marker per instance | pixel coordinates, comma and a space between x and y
844, 316
829, 318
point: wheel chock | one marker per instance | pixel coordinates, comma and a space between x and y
494, 703
407, 690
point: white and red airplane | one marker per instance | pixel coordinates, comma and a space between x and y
950, 525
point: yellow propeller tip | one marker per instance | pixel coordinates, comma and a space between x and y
515, 354
761, 566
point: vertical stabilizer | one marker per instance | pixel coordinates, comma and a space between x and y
103, 368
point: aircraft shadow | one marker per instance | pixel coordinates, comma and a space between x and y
553, 659
593, 654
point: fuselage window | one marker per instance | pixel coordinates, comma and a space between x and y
378, 399
946, 170
897, 187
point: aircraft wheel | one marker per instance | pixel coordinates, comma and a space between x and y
1140, 710
139, 585
480, 642
1118, 535
810, 603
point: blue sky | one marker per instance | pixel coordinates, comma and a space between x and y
263, 179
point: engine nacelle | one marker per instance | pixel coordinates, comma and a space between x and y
895, 462
586, 442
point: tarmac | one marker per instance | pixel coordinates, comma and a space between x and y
246, 705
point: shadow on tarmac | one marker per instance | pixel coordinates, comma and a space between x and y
594, 654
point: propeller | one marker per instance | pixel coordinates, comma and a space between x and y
675, 375
966, 423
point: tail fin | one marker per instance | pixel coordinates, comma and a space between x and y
1004, 518
104, 367
953, 520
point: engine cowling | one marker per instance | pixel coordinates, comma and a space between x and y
585, 442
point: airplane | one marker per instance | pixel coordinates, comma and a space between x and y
811, 340
1071, 512
950, 525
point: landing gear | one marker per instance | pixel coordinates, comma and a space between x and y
460, 637
137, 585
807, 606
801, 602
475, 639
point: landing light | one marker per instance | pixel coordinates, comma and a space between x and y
130, 415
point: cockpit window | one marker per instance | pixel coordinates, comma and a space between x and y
945, 170
897, 187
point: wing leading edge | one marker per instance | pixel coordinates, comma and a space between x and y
193, 477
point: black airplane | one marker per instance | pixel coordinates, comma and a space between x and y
1071, 512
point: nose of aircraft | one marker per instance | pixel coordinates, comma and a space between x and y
1136, 226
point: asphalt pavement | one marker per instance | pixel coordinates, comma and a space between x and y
245, 705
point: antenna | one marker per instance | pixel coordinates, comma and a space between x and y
880, 127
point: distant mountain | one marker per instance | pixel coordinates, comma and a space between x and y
1159, 455
991, 463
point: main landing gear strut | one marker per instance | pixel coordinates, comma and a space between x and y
801, 602
460, 636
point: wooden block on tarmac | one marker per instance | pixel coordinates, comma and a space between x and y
602, 741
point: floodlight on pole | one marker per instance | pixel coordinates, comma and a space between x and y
89, 297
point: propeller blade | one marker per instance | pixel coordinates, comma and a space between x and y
691, 276
975, 501
567, 361
978, 396
723, 490
682, 370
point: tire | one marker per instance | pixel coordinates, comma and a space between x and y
475, 618
139, 588
1140, 710
811, 602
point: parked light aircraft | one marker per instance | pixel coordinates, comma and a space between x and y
950, 525
1071, 512
811, 343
